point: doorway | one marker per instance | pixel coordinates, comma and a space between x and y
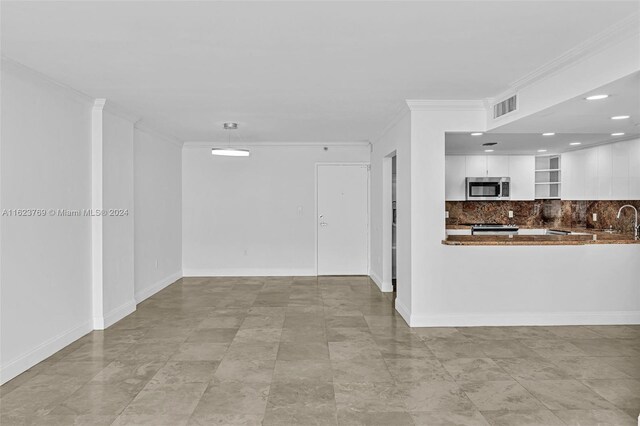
394, 216
343, 219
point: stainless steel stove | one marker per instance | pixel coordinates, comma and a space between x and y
494, 229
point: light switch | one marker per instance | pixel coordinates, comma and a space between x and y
595, 217
446, 214
510, 213
299, 210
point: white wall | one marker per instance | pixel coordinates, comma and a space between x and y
158, 212
395, 140
606, 172
241, 215
453, 286
46, 265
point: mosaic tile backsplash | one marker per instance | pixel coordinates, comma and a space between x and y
544, 213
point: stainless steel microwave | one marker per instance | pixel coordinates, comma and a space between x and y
488, 188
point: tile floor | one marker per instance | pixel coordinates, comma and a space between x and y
298, 351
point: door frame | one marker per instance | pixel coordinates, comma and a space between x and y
361, 163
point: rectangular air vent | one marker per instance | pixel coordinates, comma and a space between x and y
505, 107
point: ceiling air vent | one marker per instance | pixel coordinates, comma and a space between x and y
505, 107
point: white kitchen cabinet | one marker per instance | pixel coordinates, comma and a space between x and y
476, 165
455, 174
497, 165
521, 169
522, 174
606, 172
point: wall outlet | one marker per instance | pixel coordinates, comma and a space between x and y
446, 214
595, 217
510, 214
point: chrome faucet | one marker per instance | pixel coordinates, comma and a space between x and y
636, 229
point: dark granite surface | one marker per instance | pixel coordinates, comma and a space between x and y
544, 214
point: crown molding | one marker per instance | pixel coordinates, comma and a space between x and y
622, 30
25, 70
267, 144
400, 113
446, 105
146, 128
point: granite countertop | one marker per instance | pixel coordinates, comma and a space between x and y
593, 237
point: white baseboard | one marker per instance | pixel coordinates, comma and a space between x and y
384, 287
524, 319
100, 323
156, 287
404, 312
249, 272
43, 351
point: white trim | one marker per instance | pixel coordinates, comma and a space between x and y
208, 144
253, 272
627, 27
146, 293
404, 312
41, 352
620, 31
23, 69
146, 128
384, 287
114, 315
97, 164
402, 112
446, 105
119, 111
525, 319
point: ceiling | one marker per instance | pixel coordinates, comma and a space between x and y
575, 120
292, 71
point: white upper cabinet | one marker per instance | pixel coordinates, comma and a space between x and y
606, 172
476, 165
455, 174
498, 165
521, 169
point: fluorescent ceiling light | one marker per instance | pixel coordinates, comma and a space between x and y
575, 143
548, 134
596, 97
617, 134
488, 150
230, 152
542, 150
619, 117
476, 134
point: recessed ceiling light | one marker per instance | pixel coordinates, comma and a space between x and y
542, 150
596, 97
575, 143
617, 134
476, 134
488, 150
548, 134
619, 117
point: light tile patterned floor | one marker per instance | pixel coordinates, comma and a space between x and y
298, 351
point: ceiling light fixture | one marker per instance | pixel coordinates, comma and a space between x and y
596, 97
476, 134
619, 117
542, 150
488, 150
548, 134
617, 134
228, 151
575, 143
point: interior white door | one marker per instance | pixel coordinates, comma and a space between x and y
342, 219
